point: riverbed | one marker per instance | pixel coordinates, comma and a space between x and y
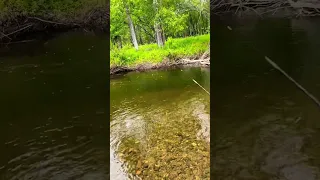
160, 124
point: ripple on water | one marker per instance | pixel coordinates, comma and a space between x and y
45, 157
133, 118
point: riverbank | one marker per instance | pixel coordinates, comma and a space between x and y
189, 51
197, 61
22, 18
267, 8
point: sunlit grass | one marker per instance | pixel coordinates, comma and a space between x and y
151, 53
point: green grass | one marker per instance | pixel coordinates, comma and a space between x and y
151, 53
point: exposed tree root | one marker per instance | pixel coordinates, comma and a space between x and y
119, 69
263, 7
13, 29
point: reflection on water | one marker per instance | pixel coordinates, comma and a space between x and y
266, 128
52, 110
153, 114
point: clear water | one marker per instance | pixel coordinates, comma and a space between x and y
151, 107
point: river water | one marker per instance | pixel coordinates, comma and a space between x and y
263, 126
160, 124
54, 100
53, 109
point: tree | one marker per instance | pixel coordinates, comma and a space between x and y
157, 26
152, 21
131, 26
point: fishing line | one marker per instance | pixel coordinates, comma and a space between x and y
200, 86
274, 65
291, 79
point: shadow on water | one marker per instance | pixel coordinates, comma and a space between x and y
160, 125
264, 126
53, 104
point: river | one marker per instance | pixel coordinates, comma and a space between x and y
53, 110
160, 124
54, 100
263, 126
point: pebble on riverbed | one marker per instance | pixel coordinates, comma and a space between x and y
170, 151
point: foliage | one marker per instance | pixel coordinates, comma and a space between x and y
178, 18
175, 48
58, 9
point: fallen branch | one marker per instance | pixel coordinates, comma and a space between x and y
274, 10
4, 35
300, 4
53, 22
16, 42
16, 31
46, 21
205, 63
198, 61
192, 61
262, 7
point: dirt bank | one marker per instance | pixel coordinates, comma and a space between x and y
198, 61
17, 29
267, 8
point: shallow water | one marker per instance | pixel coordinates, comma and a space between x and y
149, 108
264, 126
53, 109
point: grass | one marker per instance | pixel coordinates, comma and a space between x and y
151, 53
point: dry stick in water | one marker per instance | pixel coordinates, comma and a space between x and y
284, 73
52, 22
16, 42
17, 30
200, 86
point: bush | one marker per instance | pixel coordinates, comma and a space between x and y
57, 9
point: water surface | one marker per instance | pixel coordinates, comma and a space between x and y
53, 104
160, 124
264, 126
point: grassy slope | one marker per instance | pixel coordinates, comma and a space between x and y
151, 53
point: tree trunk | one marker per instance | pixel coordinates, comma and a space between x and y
157, 27
131, 26
158, 35
163, 38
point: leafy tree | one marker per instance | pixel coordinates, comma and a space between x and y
153, 21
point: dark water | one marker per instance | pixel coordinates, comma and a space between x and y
53, 104
264, 127
141, 100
